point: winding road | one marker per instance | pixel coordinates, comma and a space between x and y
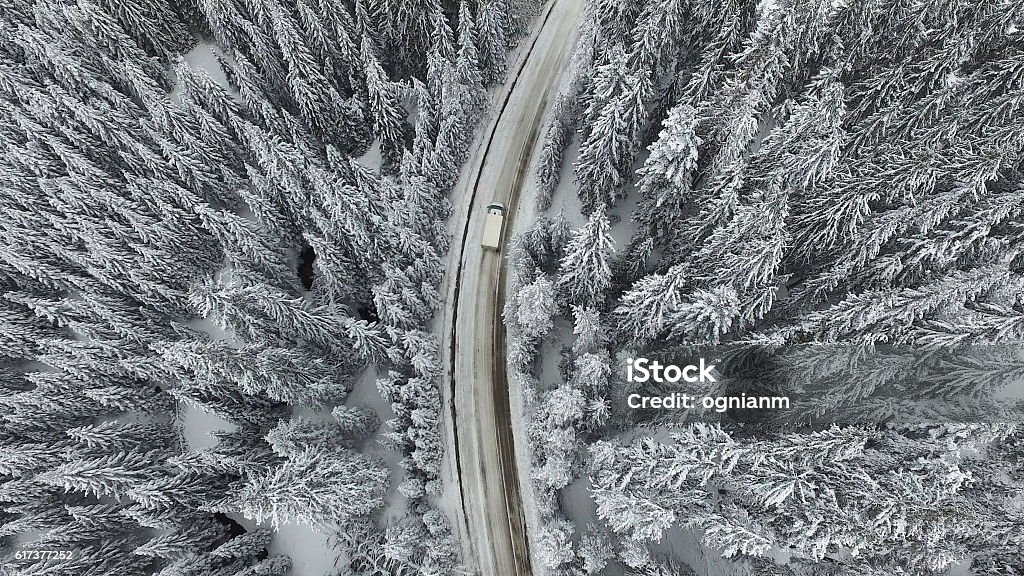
485, 462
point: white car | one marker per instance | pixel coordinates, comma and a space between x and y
492, 225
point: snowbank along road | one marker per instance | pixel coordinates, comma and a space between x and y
485, 451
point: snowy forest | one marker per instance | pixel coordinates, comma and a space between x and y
761, 175
257, 241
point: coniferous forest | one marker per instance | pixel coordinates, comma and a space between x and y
224, 226
841, 180
242, 240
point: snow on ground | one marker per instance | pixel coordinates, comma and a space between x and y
372, 157
365, 394
204, 57
197, 426
963, 568
312, 552
550, 353
685, 546
211, 329
1012, 391
622, 223
566, 198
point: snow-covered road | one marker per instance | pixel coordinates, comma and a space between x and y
473, 333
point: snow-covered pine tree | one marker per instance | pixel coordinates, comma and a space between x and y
798, 489
564, 117
599, 167
536, 306
382, 97
405, 27
182, 540
494, 26
665, 186
315, 487
283, 374
153, 23
584, 272
467, 62
595, 549
356, 422
554, 546
442, 53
